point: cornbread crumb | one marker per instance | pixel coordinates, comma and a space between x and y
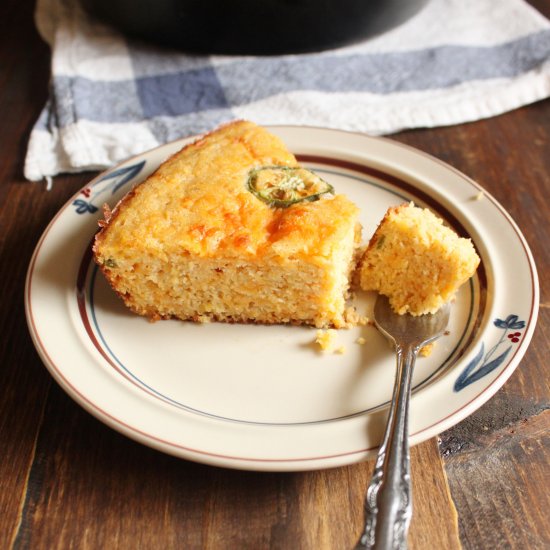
354, 319
326, 339
416, 261
479, 196
426, 350
361, 341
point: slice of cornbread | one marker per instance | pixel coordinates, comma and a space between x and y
416, 261
209, 236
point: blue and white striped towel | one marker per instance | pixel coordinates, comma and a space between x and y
456, 61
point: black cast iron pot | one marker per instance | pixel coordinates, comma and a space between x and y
253, 26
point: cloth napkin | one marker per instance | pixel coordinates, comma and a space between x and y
111, 97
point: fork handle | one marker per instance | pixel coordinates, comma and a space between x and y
388, 505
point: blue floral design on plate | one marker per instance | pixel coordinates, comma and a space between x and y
117, 179
484, 363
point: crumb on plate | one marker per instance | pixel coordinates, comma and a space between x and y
326, 339
478, 196
354, 319
426, 350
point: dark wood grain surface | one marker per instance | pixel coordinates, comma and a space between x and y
68, 481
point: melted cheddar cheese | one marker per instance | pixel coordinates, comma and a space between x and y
197, 202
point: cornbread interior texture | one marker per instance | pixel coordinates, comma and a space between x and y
193, 242
416, 261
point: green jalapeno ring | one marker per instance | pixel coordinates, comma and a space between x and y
290, 188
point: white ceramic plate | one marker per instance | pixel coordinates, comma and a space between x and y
265, 397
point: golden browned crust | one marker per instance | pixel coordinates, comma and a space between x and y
110, 214
195, 215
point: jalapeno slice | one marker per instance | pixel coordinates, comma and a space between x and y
282, 186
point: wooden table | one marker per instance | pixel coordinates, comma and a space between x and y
68, 481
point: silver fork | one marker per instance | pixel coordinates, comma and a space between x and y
388, 505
